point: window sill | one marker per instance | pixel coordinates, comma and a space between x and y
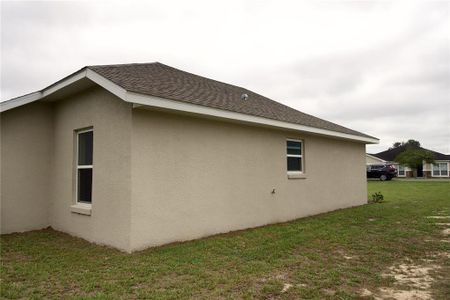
296, 175
81, 208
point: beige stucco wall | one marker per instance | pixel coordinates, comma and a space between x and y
111, 119
26, 151
195, 177
161, 177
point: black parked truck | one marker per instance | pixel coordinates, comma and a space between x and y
383, 172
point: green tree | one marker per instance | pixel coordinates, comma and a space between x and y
413, 143
413, 158
409, 144
396, 145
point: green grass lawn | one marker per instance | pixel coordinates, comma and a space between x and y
333, 255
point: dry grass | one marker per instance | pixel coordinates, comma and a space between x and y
374, 251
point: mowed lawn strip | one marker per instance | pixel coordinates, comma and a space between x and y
333, 255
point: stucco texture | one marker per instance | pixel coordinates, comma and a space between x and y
26, 153
162, 177
38, 167
195, 177
110, 118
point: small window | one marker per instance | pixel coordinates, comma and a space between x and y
294, 156
401, 171
85, 146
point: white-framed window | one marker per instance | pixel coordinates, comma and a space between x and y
294, 155
401, 171
439, 169
84, 158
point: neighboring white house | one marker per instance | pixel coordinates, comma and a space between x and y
371, 159
141, 155
440, 168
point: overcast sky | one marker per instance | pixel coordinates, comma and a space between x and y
382, 68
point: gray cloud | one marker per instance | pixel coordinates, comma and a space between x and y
378, 67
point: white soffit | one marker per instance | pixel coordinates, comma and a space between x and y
162, 103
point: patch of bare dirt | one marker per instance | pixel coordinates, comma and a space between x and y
365, 293
278, 276
446, 231
443, 254
345, 255
415, 276
387, 293
329, 292
412, 281
286, 287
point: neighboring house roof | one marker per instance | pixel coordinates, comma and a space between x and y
161, 82
374, 157
391, 154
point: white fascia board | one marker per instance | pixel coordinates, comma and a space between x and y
63, 83
19, 101
162, 103
107, 84
83, 73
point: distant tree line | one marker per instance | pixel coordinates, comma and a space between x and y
410, 143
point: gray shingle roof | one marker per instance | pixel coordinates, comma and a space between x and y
160, 80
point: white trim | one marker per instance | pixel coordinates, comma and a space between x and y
107, 85
63, 83
84, 167
81, 208
398, 170
296, 175
296, 172
440, 171
157, 102
19, 101
78, 167
85, 130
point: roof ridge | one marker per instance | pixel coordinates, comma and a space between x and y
189, 73
175, 69
121, 65
207, 78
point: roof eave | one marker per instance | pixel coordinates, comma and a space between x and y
162, 103
140, 100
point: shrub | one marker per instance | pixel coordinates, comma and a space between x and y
376, 198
